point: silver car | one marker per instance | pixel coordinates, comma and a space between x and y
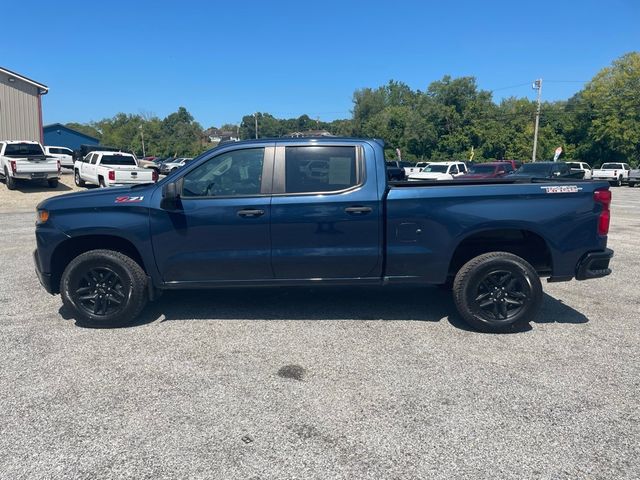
168, 167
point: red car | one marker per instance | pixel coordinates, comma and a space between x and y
489, 170
514, 163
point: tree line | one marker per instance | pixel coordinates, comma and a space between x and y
450, 119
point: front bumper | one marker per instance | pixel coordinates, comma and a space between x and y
594, 265
45, 278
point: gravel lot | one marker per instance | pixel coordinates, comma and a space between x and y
27, 194
302, 383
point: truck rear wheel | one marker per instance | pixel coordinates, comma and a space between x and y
10, 181
104, 288
52, 182
496, 291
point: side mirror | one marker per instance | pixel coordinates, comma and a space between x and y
171, 196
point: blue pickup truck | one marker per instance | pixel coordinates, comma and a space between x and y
319, 212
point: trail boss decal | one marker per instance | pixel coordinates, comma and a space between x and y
562, 189
128, 199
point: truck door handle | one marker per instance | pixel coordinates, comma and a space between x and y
250, 213
358, 210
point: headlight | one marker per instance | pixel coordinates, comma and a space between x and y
42, 216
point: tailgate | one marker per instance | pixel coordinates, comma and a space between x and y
135, 175
36, 165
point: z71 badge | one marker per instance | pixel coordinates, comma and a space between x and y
562, 189
128, 199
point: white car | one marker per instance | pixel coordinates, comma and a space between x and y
26, 160
64, 154
581, 167
411, 169
615, 173
111, 169
436, 171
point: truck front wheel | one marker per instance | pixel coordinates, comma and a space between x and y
103, 288
77, 179
496, 291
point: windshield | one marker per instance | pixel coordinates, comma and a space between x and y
612, 166
433, 168
23, 149
535, 168
482, 169
126, 160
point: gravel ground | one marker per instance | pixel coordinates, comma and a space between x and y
28, 194
337, 383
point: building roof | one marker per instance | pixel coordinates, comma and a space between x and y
44, 89
58, 126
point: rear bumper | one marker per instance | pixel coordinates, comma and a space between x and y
45, 278
594, 265
35, 175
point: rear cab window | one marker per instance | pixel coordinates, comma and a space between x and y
118, 160
23, 149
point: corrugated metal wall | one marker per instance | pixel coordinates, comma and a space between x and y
19, 111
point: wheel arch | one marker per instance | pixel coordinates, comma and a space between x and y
66, 251
521, 241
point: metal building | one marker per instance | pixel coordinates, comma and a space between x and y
20, 107
59, 135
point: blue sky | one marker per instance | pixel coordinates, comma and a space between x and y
222, 60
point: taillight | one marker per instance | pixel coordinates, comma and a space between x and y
154, 176
14, 167
112, 176
603, 197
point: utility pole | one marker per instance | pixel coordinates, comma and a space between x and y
255, 116
144, 154
537, 85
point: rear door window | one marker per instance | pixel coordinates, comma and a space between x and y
320, 169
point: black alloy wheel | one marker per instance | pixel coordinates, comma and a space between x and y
101, 292
104, 288
495, 291
501, 295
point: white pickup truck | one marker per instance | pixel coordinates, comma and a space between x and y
26, 160
111, 169
614, 173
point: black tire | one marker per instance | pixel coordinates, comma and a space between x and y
10, 181
101, 182
497, 291
95, 281
619, 182
632, 184
52, 182
76, 178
